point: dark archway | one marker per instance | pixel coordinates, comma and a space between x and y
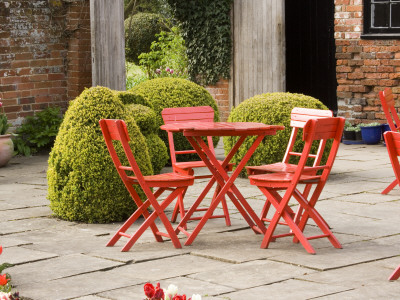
310, 49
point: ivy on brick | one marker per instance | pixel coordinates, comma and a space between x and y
206, 28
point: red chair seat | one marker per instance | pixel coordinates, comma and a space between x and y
284, 178
165, 180
197, 164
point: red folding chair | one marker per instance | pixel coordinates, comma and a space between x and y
387, 101
298, 119
271, 183
190, 114
392, 140
116, 130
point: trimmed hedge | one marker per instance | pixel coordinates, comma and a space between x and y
131, 98
174, 92
158, 152
274, 109
140, 32
83, 184
145, 118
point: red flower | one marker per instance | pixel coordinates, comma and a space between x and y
1, 248
159, 294
179, 297
3, 279
149, 290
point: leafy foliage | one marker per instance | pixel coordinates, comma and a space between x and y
83, 184
167, 57
145, 118
174, 92
274, 109
38, 132
3, 123
206, 26
140, 32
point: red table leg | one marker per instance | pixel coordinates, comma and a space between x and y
226, 183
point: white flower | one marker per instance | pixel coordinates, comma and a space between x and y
172, 290
196, 297
5, 296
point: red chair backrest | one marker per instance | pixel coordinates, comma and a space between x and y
317, 130
186, 114
387, 101
116, 130
392, 140
298, 119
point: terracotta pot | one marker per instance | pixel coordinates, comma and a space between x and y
6, 149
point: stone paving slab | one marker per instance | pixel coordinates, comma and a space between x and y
139, 253
182, 265
373, 274
77, 286
332, 258
58, 267
252, 274
21, 255
290, 289
24, 225
25, 213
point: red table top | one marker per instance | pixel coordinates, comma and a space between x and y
222, 128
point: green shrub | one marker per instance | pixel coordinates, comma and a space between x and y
175, 92
140, 32
273, 109
131, 98
158, 152
145, 118
38, 132
83, 184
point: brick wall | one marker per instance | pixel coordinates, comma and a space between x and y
220, 92
39, 59
364, 67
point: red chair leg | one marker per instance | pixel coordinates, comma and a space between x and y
224, 206
390, 187
396, 274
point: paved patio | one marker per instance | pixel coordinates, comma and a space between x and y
55, 259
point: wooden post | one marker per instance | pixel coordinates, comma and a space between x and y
108, 43
258, 50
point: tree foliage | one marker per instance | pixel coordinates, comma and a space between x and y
206, 28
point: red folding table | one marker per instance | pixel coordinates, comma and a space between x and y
193, 131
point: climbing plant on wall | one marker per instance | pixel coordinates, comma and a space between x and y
206, 29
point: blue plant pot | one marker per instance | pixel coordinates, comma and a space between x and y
385, 127
371, 135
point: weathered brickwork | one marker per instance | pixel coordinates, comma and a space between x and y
364, 67
44, 54
220, 92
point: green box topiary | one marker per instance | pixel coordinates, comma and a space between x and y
131, 98
273, 109
158, 152
175, 92
140, 32
83, 184
145, 118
